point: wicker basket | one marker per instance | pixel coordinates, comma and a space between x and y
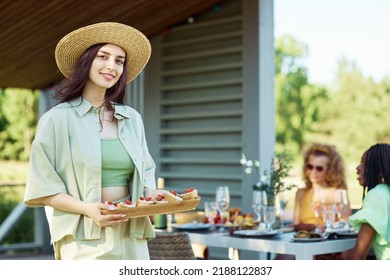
171, 246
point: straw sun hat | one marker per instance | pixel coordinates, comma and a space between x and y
71, 46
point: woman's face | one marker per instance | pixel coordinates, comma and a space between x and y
317, 168
360, 170
107, 67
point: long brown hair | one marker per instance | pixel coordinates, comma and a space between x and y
73, 87
335, 176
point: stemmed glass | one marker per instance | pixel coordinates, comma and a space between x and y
222, 199
341, 202
316, 201
282, 199
269, 217
259, 201
328, 213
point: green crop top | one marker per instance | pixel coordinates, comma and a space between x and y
117, 165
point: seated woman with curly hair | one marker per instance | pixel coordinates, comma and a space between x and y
323, 169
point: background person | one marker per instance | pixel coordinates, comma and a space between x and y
373, 219
323, 168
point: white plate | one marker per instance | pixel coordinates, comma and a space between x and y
348, 233
316, 239
192, 226
226, 226
286, 229
255, 233
337, 230
344, 231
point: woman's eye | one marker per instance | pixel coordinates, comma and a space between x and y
119, 62
102, 56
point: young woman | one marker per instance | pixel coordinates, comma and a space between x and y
373, 220
91, 148
323, 169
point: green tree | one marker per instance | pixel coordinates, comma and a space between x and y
19, 108
355, 116
3, 120
297, 101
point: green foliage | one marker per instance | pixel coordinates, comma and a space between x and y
18, 119
349, 113
297, 101
354, 118
281, 166
272, 179
24, 229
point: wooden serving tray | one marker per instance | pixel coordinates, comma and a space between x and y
158, 208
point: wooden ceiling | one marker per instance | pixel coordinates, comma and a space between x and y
30, 30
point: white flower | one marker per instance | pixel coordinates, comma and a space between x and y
243, 159
248, 170
249, 163
264, 179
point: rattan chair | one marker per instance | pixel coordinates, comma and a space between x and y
171, 246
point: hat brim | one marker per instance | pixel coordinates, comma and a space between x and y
72, 46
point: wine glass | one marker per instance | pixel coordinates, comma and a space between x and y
316, 201
282, 200
222, 199
259, 201
328, 213
341, 202
269, 216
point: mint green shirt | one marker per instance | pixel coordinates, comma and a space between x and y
376, 212
66, 158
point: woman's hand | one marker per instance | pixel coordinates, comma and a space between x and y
93, 211
67, 203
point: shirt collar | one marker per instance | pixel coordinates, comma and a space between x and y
82, 106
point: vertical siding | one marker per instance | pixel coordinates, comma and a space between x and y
200, 103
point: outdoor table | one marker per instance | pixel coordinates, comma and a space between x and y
282, 243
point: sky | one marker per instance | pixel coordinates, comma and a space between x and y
358, 30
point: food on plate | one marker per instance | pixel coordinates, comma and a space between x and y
172, 196
160, 198
190, 193
234, 211
244, 221
307, 234
125, 204
307, 227
143, 201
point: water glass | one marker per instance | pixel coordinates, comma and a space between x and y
222, 200
282, 199
259, 201
210, 211
269, 217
